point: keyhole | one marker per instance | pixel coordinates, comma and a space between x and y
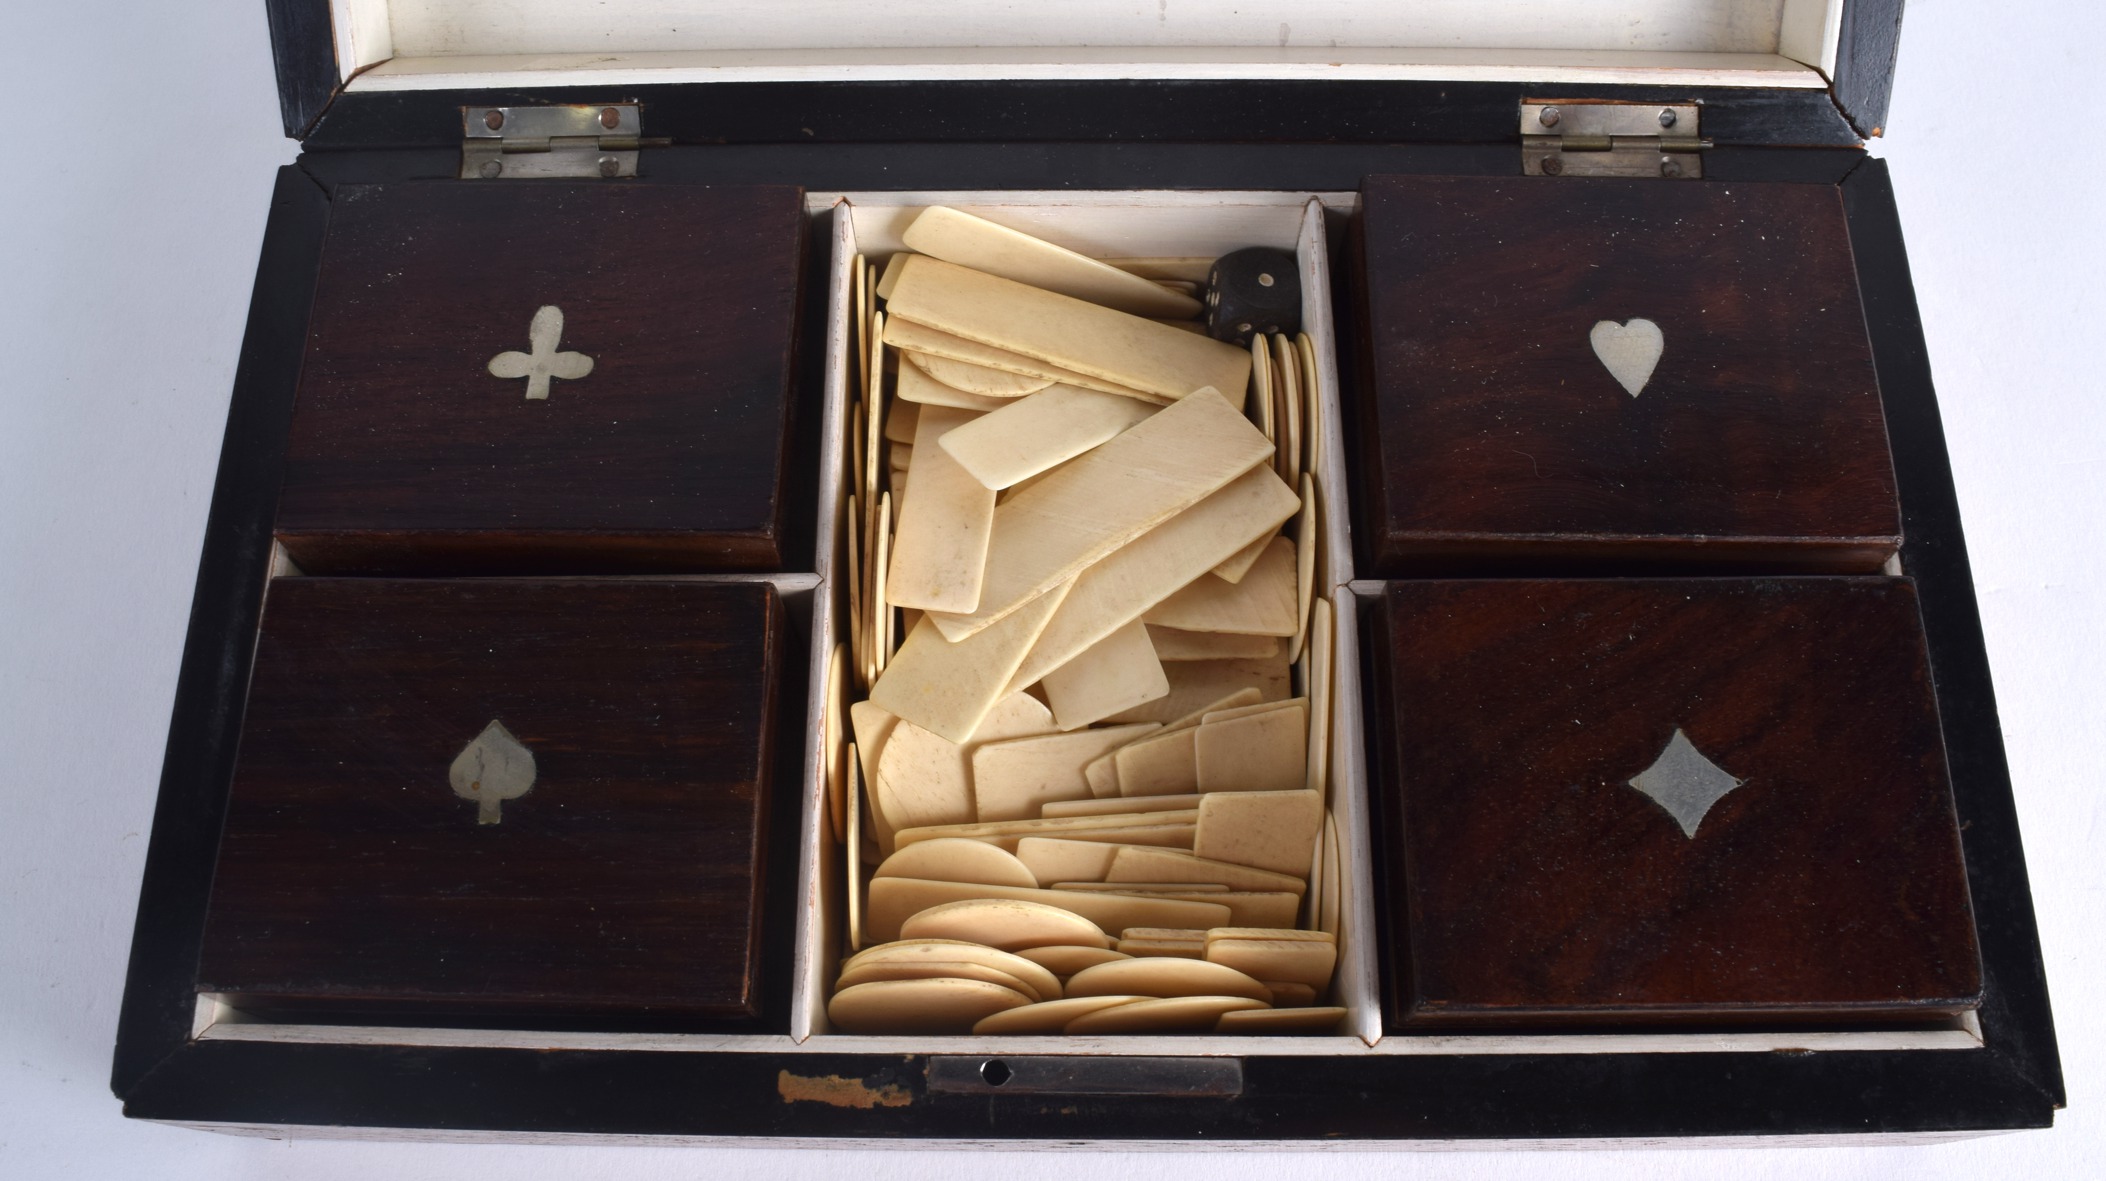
994, 1072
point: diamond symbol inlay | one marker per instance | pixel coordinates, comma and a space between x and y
1685, 783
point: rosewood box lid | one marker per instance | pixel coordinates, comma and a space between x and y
501, 796
548, 377
1718, 801
1593, 375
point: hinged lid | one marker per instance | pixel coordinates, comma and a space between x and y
1595, 138
1684, 380
1686, 801
549, 379
359, 73
525, 796
582, 140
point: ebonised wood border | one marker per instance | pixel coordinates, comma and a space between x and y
1864, 67
2015, 1017
1099, 111
303, 42
1306, 1099
831, 168
212, 681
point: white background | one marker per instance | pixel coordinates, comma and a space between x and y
131, 207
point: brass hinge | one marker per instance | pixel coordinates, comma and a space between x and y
1590, 137
568, 141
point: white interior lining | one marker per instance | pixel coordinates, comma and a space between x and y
443, 28
439, 44
1958, 1036
1598, 67
1810, 31
364, 32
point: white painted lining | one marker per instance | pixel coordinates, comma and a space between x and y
1112, 224
1957, 1037
1810, 31
1563, 67
433, 44
1358, 975
364, 32
444, 28
818, 926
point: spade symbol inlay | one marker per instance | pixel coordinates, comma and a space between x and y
1685, 783
493, 768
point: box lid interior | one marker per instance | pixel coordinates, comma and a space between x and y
358, 50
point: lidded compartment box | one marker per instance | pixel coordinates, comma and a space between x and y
512, 799
548, 379
1645, 802
948, 106
1614, 374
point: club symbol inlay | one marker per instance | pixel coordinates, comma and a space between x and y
1629, 351
493, 768
1685, 783
544, 363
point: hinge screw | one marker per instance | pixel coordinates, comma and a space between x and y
1552, 166
610, 118
1669, 166
1549, 117
493, 119
491, 169
1667, 118
609, 166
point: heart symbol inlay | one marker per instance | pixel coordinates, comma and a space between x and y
1629, 351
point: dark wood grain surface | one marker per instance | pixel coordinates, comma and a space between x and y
625, 880
1494, 439
1532, 885
672, 455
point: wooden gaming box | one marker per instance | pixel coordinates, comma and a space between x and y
1192, 126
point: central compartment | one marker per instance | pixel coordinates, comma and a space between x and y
1152, 232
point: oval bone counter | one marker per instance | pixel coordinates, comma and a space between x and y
1166, 976
939, 1005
